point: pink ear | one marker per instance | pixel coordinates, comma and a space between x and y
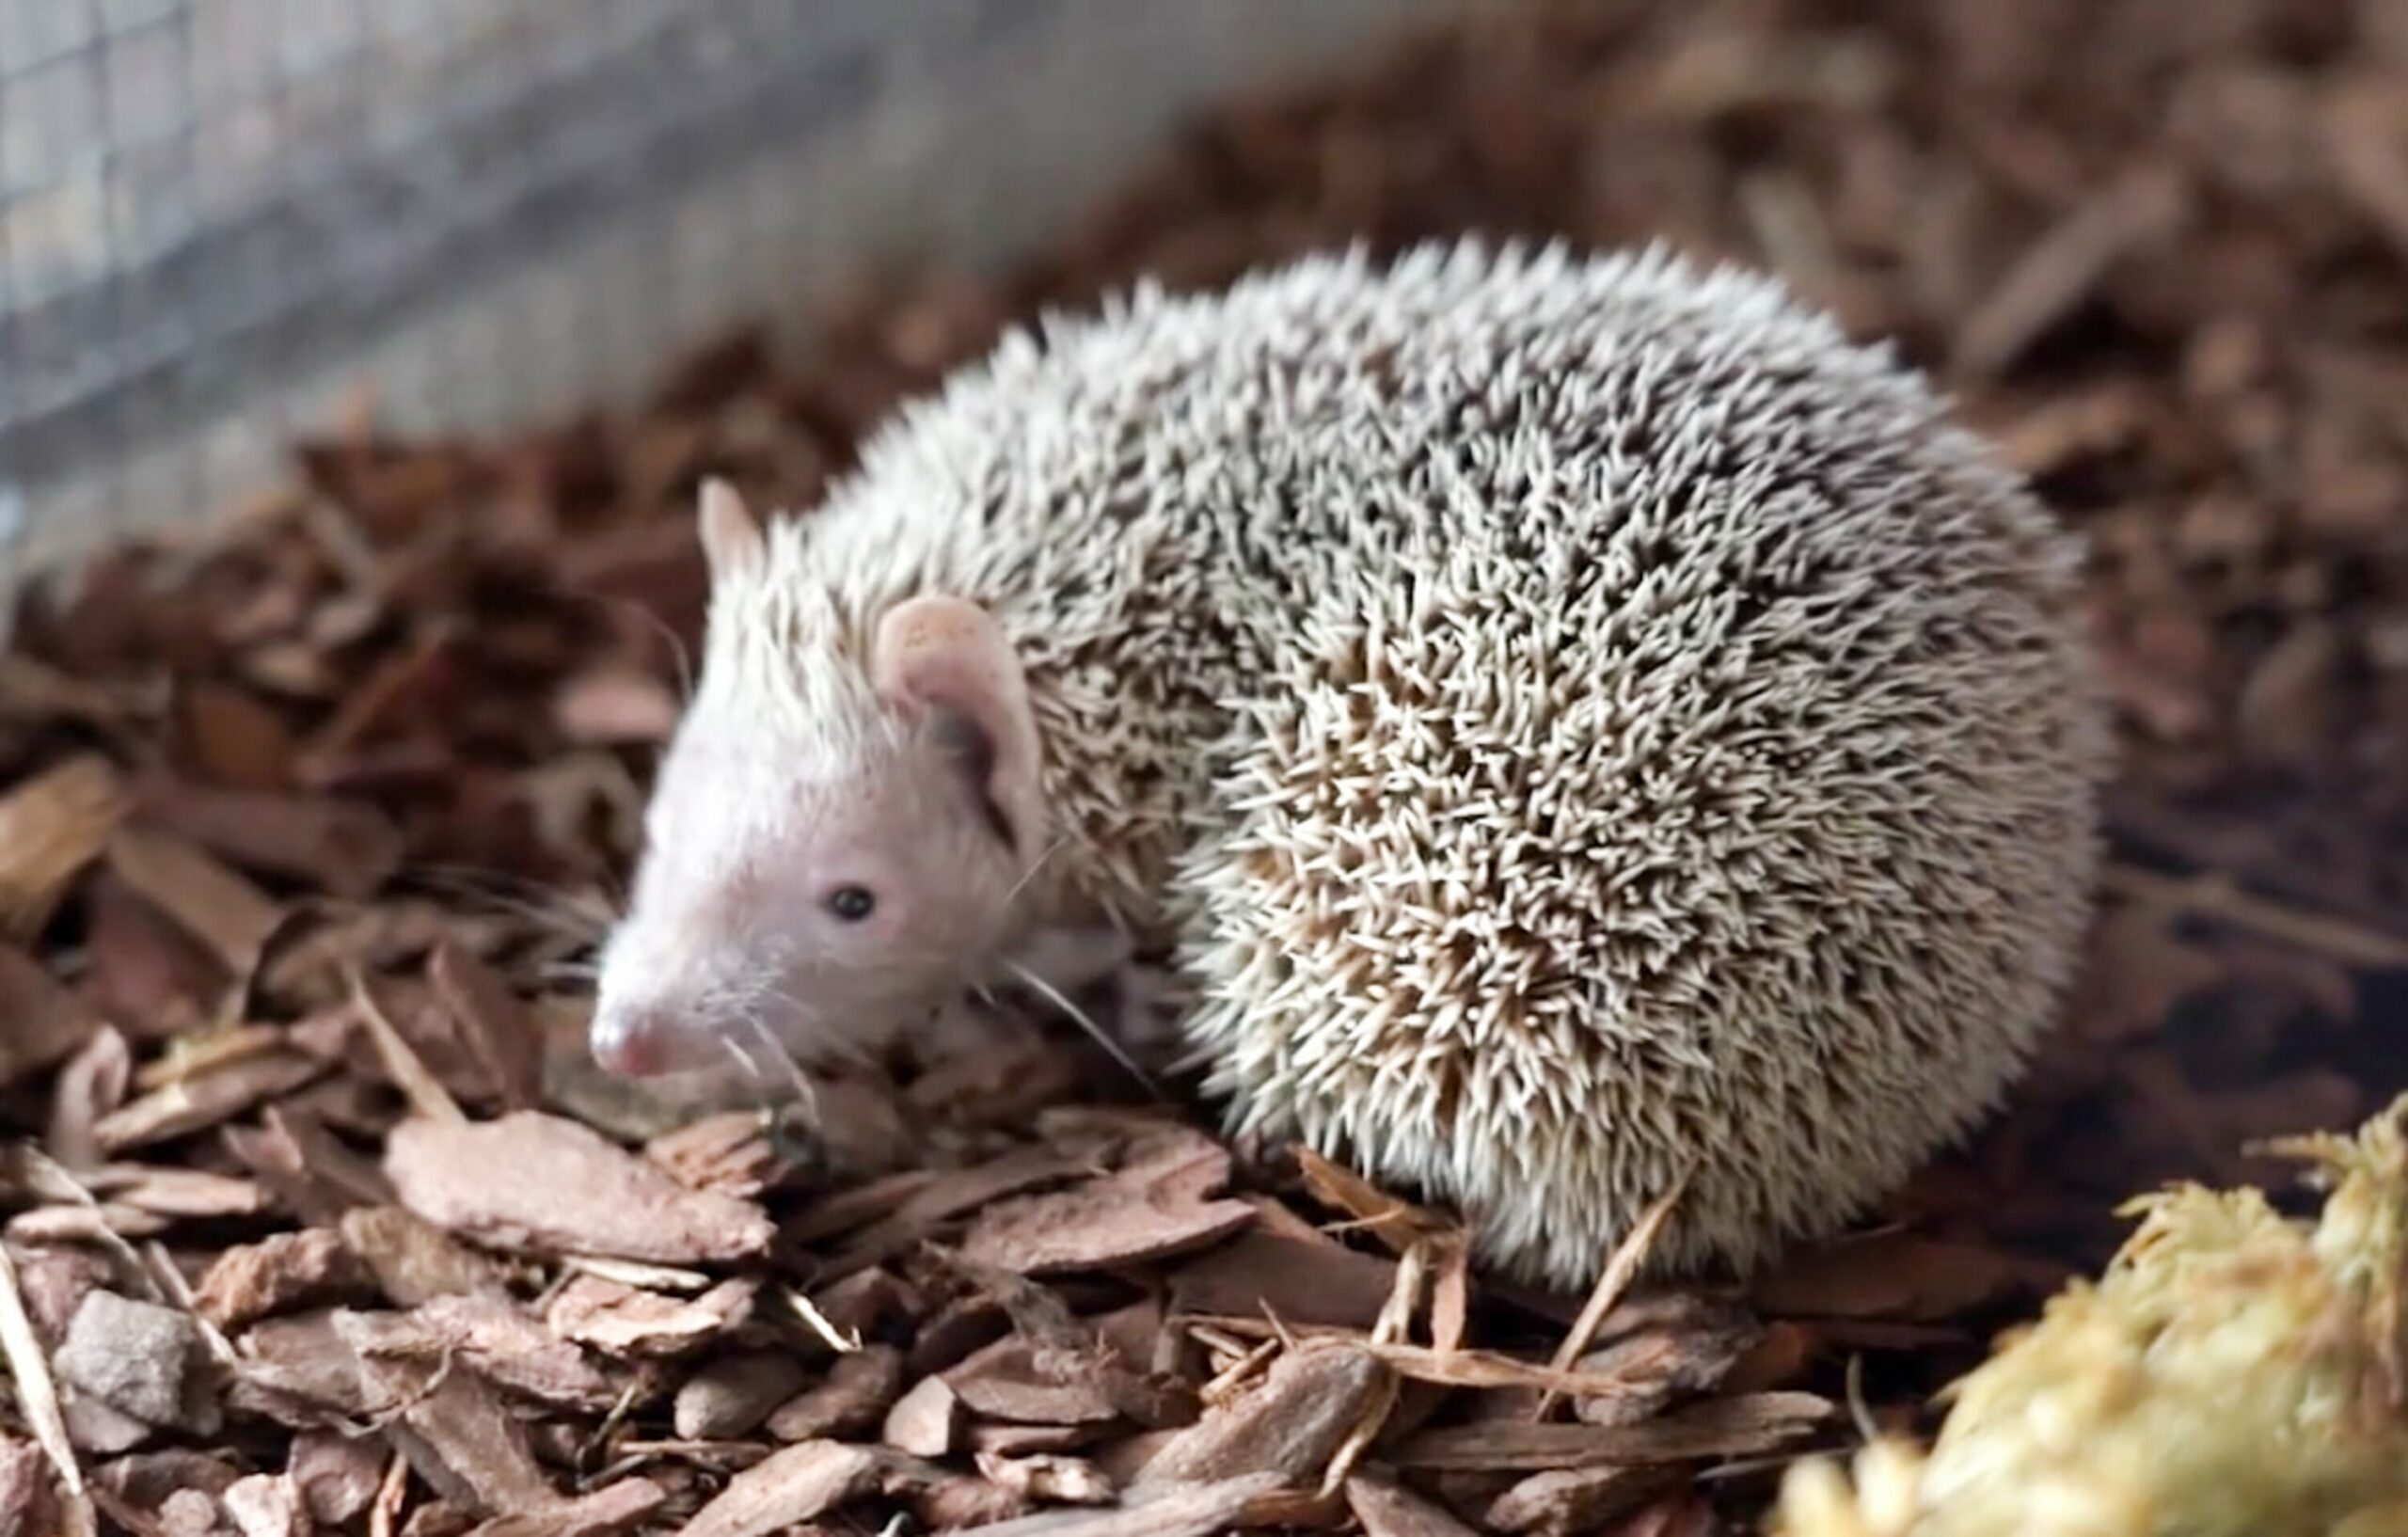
732, 539
948, 654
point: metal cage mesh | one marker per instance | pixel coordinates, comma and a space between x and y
217, 215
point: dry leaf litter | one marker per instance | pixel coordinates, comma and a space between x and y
315, 1221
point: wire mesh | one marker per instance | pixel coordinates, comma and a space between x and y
215, 215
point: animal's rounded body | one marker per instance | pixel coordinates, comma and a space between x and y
1580, 725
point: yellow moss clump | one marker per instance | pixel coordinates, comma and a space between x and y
2234, 1373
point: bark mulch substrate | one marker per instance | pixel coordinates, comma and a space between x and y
305, 1226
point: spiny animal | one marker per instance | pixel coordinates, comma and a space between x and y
1576, 724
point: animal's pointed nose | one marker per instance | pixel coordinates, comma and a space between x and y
633, 1042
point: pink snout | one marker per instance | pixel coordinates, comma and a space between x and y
639, 1043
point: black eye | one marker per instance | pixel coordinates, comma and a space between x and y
850, 903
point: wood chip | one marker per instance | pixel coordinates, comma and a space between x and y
925, 1420
2060, 269
1291, 1423
731, 1397
1574, 1500
1303, 1282
797, 1484
345, 847
52, 825
413, 1260
1735, 1427
279, 1271
1386, 1508
1001, 1382
36, 1393
47, 1023
730, 1152
26, 1507
1613, 1279
1187, 1509
451, 1426
204, 898
621, 1507
853, 1396
337, 1475
501, 1032
513, 1350
1156, 1205
92, 1083
265, 1505
204, 1099
620, 1320
1061, 1480
301, 1370
571, 1192
1394, 1222
1891, 1275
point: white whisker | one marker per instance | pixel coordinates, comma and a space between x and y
806, 1096
1095, 1030
1021, 884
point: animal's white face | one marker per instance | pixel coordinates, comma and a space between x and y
811, 884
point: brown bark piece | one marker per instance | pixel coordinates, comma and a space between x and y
729, 1153
1291, 1423
800, 1484
345, 847
309, 1169
1559, 1504
1049, 1480
966, 1501
93, 1082
1735, 1427
853, 1396
233, 918
1003, 1382
1157, 1204
451, 1426
570, 1191
731, 1396
616, 1508
1893, 1275
497, 1028
925, 1420
622, 1319
176, 1193
502, 1338
937, 1200
1024, 1440
279, 1271
1655, 1367
1386, 1507
265, 1505
301, 1370
337, 1474
208, 1097
47, 1024
27, 1508
189, 1513
1185, 1510
52, 827
1302, 1283
415, 1261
